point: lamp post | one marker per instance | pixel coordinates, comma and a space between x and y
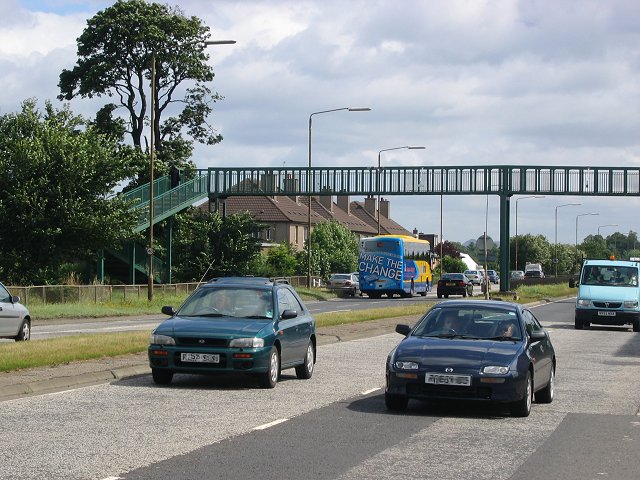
517, 199
577, 217
151, 160
350, 109
388, 150
607, 225
555, 248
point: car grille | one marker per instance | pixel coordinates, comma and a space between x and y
194, 365
204, 342
607, 304
448, 391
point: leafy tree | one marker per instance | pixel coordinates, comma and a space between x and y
281, 261
115, 54
532, 249
206, 244
453, 265
450, 249
334, 249
55, 204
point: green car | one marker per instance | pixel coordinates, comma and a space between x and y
246, 325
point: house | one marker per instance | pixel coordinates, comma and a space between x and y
288, 216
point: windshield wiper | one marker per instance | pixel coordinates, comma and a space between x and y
210, 315
259, 317
502, 337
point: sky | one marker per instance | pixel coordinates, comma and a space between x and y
484, 82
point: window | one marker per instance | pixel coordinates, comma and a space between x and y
5, 297
295, 233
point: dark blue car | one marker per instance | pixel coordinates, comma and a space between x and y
236, 325
478, 350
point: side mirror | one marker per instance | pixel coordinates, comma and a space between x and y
403, 329
15, 299
287, 314
168, 310
537, 336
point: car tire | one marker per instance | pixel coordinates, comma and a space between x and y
269, 379
578, 324
636, 326
305, 370
396, 403
546, 394
439, 295
25, 332
464, 293
161, 377
522, 407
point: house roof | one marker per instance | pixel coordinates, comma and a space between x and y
387, 225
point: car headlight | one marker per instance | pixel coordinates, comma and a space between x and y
584, 302
252, 342
406, 365
630, 303
495, 369
155, 339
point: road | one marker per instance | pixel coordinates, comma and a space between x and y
335, 426
48, 329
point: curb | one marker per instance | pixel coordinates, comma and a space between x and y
58, 384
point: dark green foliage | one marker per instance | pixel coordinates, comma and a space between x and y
55, 205
453, 265
206, 245
334, 248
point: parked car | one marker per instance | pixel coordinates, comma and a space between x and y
236, 324
344, 283
15, 321
517, 275
476, 350
454, 284
493, 276
476, 276
533, 274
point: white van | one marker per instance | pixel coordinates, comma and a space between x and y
608, 294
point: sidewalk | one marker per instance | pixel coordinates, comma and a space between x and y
37, 381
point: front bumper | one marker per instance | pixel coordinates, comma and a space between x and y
511, 389
592, 315
248, 360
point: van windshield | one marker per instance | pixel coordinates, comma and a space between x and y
609, 275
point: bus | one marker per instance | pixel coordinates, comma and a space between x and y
394, 264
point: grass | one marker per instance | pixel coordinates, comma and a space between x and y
58, 351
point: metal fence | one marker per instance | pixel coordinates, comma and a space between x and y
47, 294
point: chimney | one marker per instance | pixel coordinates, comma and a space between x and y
291, 186
326, 200
343, 203
384, 208
370, 206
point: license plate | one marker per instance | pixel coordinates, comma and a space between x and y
200, 357
450, 284
440, 379
606, 314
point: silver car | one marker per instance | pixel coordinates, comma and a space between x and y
15, 321
344, 284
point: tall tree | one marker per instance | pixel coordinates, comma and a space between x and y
55, 204
335, 249
115, 54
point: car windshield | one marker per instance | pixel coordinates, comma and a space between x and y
238, 302
452, 276
481, 323
620, 276
341, 276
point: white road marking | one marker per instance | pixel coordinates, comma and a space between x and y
367, 392
270, 424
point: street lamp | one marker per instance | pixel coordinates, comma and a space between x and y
388, 150
607, 225
577, 217
350, 109
555, 248
517, 199
151, 160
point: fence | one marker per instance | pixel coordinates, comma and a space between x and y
46, 294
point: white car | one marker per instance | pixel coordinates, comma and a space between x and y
476, 276
15, 321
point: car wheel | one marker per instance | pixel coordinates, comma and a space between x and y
636, 326
578, 324
522, 407
269, 378
464, 293
546, 394
25, 332
397, 403
161, 377
439, 295
446, 295
305, 370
